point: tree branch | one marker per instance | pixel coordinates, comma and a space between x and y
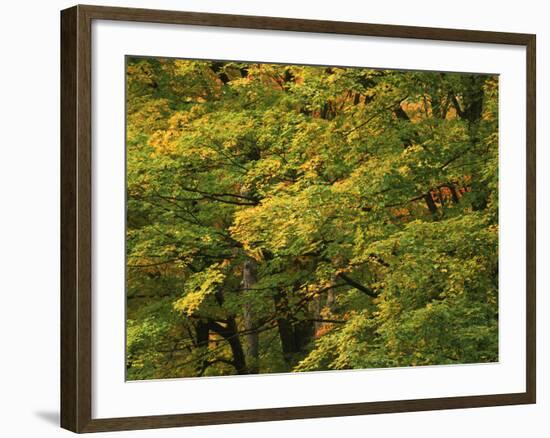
358, 286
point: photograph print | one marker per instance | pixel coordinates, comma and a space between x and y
294, 218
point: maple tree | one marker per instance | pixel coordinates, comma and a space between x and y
292, 218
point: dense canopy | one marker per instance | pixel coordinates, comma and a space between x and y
290, 218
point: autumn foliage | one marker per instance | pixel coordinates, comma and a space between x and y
292, 218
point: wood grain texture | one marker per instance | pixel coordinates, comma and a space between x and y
531, 216
69, 347
299, 25
76, 219
76, 186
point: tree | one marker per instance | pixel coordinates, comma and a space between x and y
292, 218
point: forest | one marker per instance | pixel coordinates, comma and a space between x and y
293, 218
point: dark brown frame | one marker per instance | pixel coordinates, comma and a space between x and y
76, 238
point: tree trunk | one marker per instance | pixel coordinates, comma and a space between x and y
294, 335
202, 331
249, 318
430, 203
454, 193
284, 326
314, 308
237, 348
231, 334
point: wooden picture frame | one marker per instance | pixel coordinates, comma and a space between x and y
76, 218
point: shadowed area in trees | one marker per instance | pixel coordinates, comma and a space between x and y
285, 218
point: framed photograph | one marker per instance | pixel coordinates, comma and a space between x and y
270, 218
